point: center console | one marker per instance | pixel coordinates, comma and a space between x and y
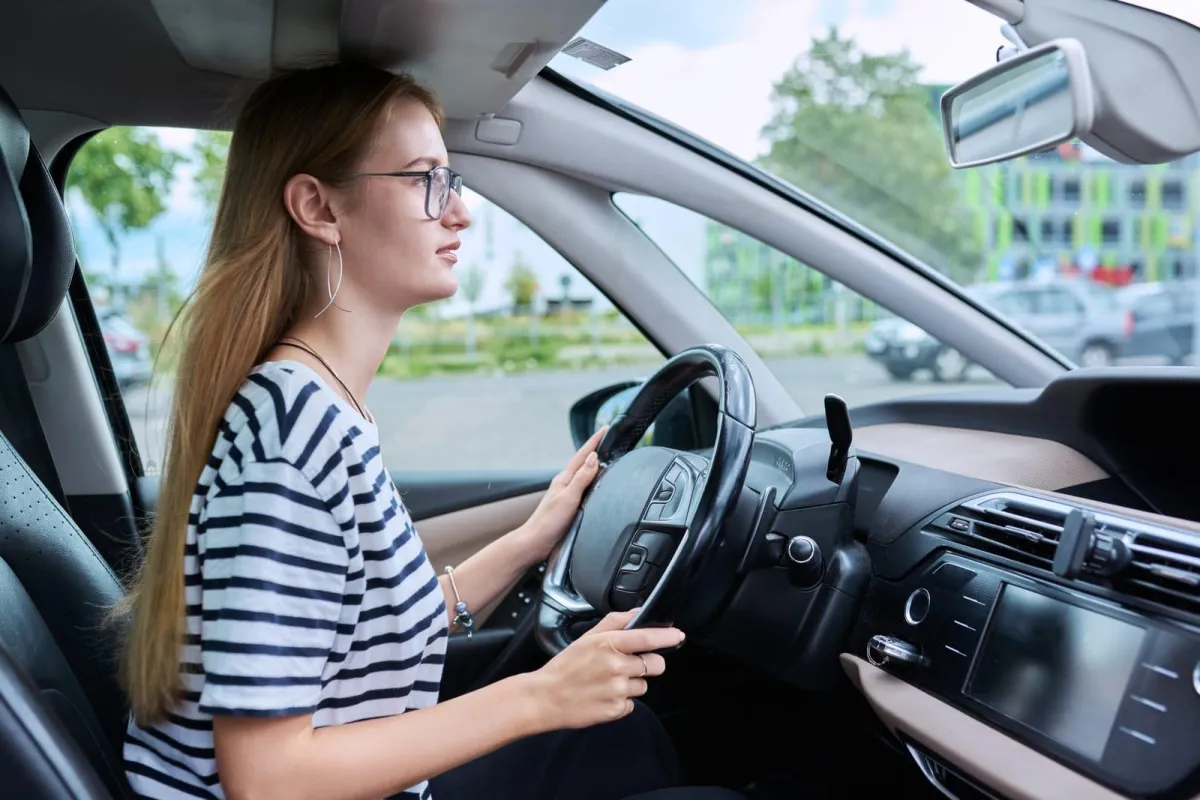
1112, 693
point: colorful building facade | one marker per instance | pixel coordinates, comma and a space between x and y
1084, 212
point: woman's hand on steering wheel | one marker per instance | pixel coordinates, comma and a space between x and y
596, 678
556, 511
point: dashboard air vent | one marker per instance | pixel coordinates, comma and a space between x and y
1134, 557
1163, 567
1022, 528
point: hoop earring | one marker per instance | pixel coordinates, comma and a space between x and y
333, 290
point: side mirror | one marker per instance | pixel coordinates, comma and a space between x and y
687, 422
585, 415
1032, 101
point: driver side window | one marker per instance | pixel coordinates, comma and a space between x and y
482, 381
816, 335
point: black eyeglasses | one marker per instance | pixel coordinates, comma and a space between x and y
439, 182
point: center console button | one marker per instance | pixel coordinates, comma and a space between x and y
917, 607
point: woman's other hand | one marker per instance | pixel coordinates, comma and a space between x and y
596, 678
552, 517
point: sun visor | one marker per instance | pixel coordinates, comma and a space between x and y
248, 38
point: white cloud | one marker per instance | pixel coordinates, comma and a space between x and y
723, 92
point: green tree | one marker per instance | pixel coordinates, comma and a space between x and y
210, 152
124, 175
522, 284
856, 131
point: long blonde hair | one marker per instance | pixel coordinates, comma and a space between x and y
319, 121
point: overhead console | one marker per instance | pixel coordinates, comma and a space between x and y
1071, 630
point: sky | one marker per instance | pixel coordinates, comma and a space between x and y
707, 65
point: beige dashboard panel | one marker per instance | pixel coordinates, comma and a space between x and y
987, 755
986, 455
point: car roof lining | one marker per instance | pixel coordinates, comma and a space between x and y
189, 59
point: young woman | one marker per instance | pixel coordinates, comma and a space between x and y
286, 632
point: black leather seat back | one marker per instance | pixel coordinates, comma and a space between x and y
55, 589
38, 759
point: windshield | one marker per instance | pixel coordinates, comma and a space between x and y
840, 99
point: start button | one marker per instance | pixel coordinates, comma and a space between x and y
917, 607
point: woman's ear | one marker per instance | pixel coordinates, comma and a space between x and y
308, 201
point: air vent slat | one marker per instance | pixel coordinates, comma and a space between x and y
1013, 529
1011, 551
1158, 593
1023, 520
1149, 554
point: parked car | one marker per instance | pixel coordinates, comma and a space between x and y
905, 349
1162, 320
1081, 319
128, 349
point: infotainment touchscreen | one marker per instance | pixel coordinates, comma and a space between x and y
1056, 667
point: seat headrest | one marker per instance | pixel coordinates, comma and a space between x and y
37, 252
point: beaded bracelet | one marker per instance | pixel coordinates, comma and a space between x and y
462, 615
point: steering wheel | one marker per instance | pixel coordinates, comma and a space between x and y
653, 516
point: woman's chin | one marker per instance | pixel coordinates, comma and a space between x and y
443, 287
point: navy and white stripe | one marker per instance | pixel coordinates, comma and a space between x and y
308, 589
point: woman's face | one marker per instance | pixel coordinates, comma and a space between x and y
395, 254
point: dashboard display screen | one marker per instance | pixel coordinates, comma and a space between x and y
1058, 668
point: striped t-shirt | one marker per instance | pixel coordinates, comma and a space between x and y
308, 590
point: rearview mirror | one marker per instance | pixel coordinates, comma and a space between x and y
1034, 100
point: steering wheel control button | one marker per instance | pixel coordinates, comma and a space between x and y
634, 559
659, 547
917, 607
635, 582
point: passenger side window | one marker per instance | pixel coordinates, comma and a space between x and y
484, 380
816, 335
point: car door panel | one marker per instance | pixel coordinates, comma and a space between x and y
455, 536
457, 514
432, 493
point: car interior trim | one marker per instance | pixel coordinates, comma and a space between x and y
971, 745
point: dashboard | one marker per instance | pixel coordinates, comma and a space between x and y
1012, 581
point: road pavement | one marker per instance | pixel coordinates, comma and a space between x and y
520, 421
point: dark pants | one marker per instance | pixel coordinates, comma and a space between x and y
623, 760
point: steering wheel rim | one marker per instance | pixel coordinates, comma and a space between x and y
700, 493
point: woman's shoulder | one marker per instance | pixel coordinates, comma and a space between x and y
284, 412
